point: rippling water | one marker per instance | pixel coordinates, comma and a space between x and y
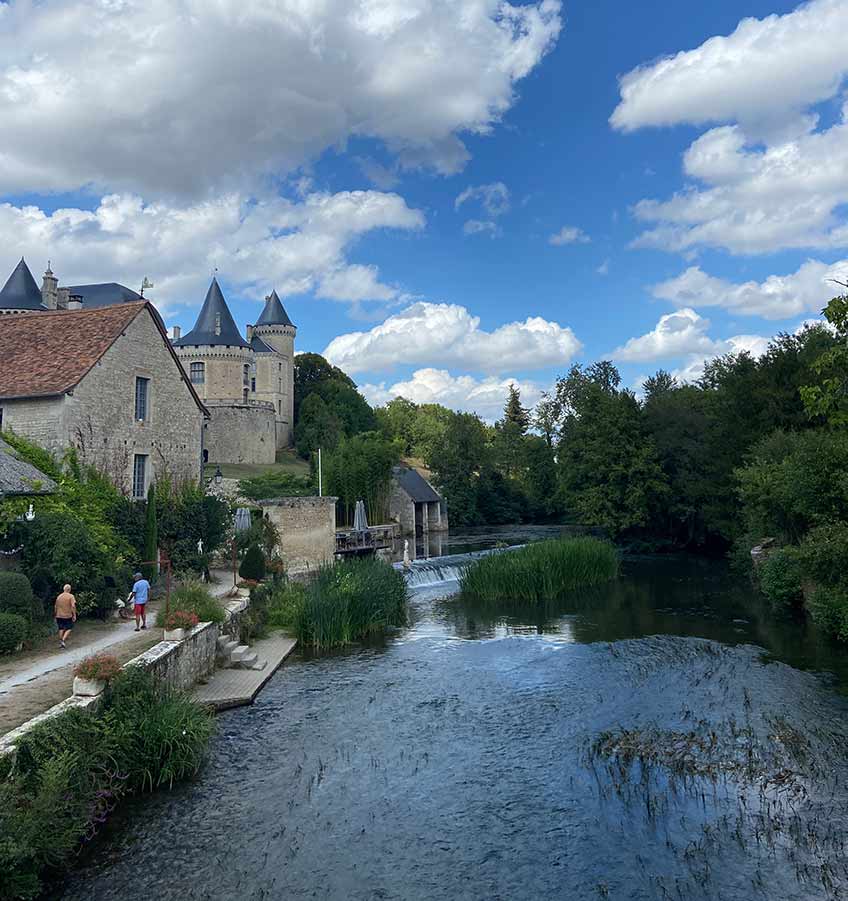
632, 744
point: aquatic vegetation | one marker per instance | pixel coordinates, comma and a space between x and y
70, 772
542, 571
345, 603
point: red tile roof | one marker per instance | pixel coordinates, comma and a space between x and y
46, 354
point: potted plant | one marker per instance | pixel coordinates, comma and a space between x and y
92, 674
177, 623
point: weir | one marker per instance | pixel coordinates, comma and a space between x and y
426, 573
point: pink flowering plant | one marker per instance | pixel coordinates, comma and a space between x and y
181, 619
98, 668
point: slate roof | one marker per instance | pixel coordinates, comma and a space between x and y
204, 331
21, 291
19, 477
274, 312
260, 347
415, 485
104, 294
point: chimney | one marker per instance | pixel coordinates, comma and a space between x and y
249, 333
177, 331
50, 289
75, 301
62, 297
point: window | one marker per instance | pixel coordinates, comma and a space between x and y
139, 485
253, 385
244, 395
141, 393
198, 373
245, 375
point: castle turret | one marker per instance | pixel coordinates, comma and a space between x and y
218, 360
50, 289
273, 342
20, 294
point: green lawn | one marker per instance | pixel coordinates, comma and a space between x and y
287, 461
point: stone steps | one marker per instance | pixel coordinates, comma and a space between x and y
232, 655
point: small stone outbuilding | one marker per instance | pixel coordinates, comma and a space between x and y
19, 478
307, 531
415, 504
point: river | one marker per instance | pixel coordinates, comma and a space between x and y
662, 737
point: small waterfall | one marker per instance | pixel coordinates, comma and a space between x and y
436, 570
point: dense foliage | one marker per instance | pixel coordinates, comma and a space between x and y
327, 406
71, 771
14, 628
542, 571
253, 564
346, 602
276, 484
360, 468
16, 597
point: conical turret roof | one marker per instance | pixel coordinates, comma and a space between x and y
215, 324
20, 291
274, 313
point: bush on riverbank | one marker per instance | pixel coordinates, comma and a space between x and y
543, 571
70, 772
193, 597
345, 603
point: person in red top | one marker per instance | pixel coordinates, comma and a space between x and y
65, 611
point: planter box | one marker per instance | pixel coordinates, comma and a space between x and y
88, 688
175, 634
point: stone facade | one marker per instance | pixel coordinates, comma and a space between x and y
240, 433
415, 504
307, 530
97, 416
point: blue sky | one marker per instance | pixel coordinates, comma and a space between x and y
343, 163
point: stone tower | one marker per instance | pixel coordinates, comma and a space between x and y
272, 338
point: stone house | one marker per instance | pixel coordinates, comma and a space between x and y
415, 504
246, 384
107, 382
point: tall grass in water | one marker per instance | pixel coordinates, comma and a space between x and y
543, 571
345, 603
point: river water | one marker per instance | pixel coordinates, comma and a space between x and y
660, 737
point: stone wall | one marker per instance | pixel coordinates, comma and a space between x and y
241, 433
181, 664
402, 509
42, 420
223, 370
307, 529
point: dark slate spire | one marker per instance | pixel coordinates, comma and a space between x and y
21, 292
274, 312
215, 324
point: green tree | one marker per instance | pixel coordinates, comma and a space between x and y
318, 426
514, 412
456, 460
828, 396
360, 468
608, 465
547, 418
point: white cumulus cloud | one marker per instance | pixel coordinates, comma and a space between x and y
767, 176
166, 97
448, 335
568, 234
485, 396
806, 290
295, 246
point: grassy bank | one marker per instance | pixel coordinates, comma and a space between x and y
70, 772
193, 597
543, 571
346, 602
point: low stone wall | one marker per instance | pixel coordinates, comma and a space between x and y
241, 433
177, 664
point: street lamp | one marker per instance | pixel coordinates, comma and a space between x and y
218, 477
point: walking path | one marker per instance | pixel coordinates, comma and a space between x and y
31, 683
237, 687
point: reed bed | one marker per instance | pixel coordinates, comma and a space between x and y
346, 602
543, 571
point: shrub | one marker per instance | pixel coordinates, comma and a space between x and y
13, 630
16, 596
98, 668
828, 605
780, 577
181, 619
71, 771
543, 571
253, 564
194, 597
276, 484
